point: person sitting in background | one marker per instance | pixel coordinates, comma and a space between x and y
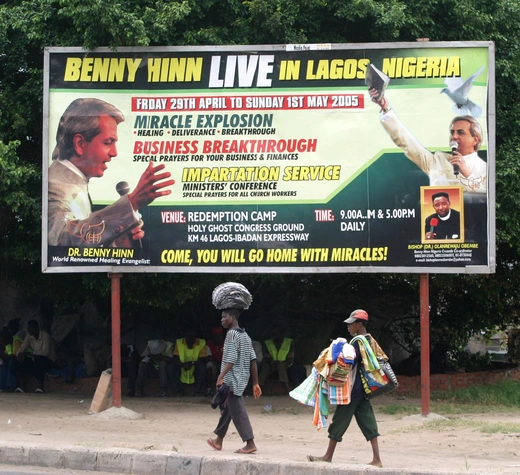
9, 346
157, 355
189, 363
216, 347
279, 358
35, 356
68, 365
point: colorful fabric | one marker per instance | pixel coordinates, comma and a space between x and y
321, 409
325, 386
343, 356
339, 371
306, 392
322, 362
314, 392
340, 394
349, 353
336, 348
372, 376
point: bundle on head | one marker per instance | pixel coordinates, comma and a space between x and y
231, 295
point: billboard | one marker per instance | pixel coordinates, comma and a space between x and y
273, 158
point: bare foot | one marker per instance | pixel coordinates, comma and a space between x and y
213, 444
376, 463
313, 458
246, 450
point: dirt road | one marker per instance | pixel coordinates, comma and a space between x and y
284, 434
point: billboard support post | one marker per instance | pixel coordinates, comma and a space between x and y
115, 280
425, 343
272, 159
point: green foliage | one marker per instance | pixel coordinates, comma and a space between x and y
468, 361
20, 210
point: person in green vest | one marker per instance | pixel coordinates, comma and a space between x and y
279, 359
9, 346
189, 363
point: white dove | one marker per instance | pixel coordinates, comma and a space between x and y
458, 91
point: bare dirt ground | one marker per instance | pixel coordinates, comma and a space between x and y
283, 434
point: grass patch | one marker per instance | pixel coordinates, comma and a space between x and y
506, 393
399, 409
502, 397
464, 423
481, 426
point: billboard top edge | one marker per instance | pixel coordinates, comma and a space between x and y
278, 47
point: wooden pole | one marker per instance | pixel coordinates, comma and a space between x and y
116, 338
425, 343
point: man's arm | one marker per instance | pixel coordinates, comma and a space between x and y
402, 137
24, 346
45, 348
176, 359
68, 228
227, 368
257, 391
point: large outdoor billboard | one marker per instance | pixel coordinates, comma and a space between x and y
270, 159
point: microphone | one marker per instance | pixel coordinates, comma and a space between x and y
123, 188
433, 222
454, 146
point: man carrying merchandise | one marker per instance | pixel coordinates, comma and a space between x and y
238, 361
359, 406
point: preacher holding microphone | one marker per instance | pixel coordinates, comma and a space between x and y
123, 188
454, 146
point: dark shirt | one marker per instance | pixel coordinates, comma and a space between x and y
358, 392
445, 229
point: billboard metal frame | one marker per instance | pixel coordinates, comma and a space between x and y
318, 267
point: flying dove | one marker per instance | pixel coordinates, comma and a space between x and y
457, 90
